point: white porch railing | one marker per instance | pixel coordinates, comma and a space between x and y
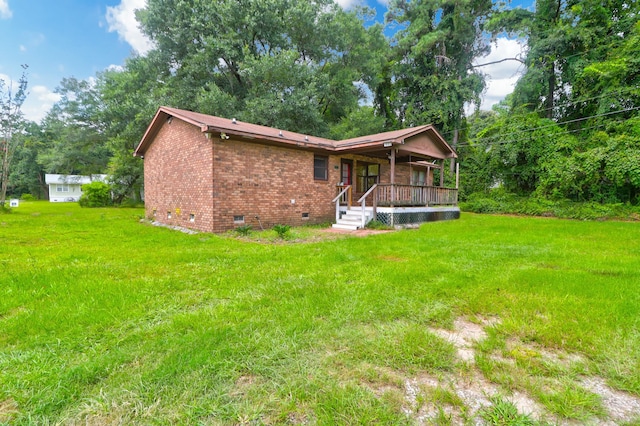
346, 191
363, 202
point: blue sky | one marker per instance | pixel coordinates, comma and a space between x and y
78, 38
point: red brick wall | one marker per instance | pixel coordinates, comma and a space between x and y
252, 179
178, 176
214, 180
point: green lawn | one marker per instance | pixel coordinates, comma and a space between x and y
107, 320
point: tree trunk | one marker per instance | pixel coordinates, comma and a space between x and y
552, 88
5, 172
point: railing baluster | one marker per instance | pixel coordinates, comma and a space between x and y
416, 195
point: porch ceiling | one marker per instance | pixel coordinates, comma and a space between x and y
402, 155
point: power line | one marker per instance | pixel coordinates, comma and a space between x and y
618, 92
564, 132
490, 138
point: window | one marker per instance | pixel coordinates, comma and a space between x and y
367, 176
305, 215
238, 219
62, 188
418, 177
192, 217
320, 167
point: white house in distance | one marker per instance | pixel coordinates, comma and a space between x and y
68, 187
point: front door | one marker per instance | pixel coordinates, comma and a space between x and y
346, 176
346, 167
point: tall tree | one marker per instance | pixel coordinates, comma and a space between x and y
76, 143
434, 71
130, 97
27, 175
11, 123
282, 62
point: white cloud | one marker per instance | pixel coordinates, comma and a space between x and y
39, 101
348, 4
122, 19
116, 68
23, 48
501, 77
5, 12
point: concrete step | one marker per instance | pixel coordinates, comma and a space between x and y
348, 218
347, 227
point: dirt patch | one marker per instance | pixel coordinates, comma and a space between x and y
621, 406
460, 397
8, 409
390, 258
356, 233
463, 336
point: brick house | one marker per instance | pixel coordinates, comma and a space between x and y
214, 174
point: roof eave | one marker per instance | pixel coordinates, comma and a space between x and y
278, 140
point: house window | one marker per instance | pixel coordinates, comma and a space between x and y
367, 176
305, 215
62, 188
192, 217
238, 219
320, 167
418, 177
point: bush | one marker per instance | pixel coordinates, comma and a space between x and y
27, 197
503, 203
376, 224
95, 194
282, 230
243, 230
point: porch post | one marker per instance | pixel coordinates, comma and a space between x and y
457, 174
442, 174
392, 178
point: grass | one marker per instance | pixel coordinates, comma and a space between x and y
104, 319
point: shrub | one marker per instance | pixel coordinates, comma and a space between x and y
27, 197
499, 202
95, 194
243, 230
282, 230
376, 224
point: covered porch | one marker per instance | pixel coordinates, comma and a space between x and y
398, 180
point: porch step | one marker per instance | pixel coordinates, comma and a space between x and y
352, 219
345, 227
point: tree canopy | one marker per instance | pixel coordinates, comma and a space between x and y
569, 130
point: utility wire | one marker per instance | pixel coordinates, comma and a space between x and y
618, 92
561, 123
564, 132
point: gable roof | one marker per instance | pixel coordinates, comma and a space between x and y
213, 124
